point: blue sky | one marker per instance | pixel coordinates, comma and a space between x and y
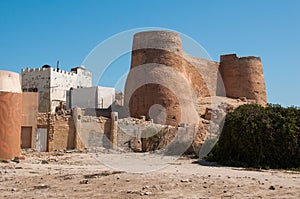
39, 32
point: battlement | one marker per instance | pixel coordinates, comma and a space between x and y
34, 70
28, 70
232, 57
160, 40
250, 58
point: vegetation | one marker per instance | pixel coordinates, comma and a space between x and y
254, 136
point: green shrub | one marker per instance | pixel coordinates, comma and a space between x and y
254, 136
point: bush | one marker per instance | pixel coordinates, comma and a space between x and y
254, 136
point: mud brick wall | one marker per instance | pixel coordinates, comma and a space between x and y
61, 133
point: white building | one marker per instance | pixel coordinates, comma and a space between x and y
92, 97
52, 84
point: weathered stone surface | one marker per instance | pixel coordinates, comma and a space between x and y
243, 77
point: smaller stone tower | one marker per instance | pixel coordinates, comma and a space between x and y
243, 77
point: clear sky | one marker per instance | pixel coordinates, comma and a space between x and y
40, 32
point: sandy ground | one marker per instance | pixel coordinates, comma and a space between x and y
83, 175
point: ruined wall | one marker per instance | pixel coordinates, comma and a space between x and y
61, 133
243, 77
10, 115
203, 73
91, 131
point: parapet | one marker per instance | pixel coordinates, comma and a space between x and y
163, 40
35, 70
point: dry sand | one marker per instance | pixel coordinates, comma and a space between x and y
82, 175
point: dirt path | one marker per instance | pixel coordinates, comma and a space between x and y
82, 175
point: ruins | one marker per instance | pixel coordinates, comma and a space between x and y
168, 92
165, 78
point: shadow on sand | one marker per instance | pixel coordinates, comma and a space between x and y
207, 164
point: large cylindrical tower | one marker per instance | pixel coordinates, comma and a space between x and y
156, 86
10, 115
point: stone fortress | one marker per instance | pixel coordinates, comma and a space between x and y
166, 84
170, 99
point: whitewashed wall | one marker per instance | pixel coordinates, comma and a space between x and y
92, 97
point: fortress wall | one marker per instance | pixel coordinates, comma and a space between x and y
243, 77
202, 74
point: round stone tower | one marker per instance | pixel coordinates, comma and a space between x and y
156, 86
10, 115
243, 77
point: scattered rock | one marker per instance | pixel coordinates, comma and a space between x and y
68, 178
45, 162
208, 114
145, 187
41, 186
16, 160
104, 173
13, 189
85, 181
147, 193
272, 187
186, 180
243, 99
